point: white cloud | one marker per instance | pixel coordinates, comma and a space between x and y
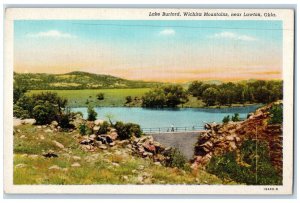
51, 34
233, 36
167, 32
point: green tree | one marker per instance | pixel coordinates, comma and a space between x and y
210, 96
100, 96
92, 114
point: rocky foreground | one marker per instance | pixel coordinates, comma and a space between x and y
221, 138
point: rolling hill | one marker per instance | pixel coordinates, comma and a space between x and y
76, 80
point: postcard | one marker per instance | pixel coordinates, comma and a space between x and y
148, 101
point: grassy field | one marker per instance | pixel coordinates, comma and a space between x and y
115, 165
112, 97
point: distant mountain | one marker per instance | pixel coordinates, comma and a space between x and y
76, 80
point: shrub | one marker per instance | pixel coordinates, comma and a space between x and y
176, 159
262, 173
19, 112
44, 107
44, 113
128, 99
65, 118
235, 117
103, 128
125, 131
92, 114
100, 96
276, 114
226, 119
82, 129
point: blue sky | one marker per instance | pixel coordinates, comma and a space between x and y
175, 50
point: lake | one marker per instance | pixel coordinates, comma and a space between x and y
165, 118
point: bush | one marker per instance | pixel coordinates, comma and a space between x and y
125, 131
235, 117
176, 159
83, 129
226, 119
128, 99
103, 128
44, 113
92, 114
19, 112
65, 118
100, 96
44, 107
264, 173
276, 114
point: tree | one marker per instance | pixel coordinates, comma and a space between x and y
128, 99
92, 114
100, 96
210, 96
166, 96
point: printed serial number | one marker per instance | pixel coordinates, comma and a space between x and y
270, 188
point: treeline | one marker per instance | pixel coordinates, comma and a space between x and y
259, 91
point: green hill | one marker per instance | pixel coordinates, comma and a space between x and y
76, 80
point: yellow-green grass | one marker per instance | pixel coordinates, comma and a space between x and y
82, 98
116, 165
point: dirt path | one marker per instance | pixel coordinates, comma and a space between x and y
184, 141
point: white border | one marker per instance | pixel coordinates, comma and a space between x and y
142, 14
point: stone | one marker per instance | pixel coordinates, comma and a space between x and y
30, 121
96, 128
76, 164
112, 144
21, 165
149, 147
59, 145
93, 136
54, 167
86, 142
16, 122
125, 178
232, 145
42, 137
115, 164
140, 179
22, 136
157, 163
114, 135
48, 131
54, 123
229, 138
98, 122
76, 158
102, 146
33, 156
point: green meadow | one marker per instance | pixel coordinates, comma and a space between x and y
83, 98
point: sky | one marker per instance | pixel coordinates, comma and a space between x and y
160, 50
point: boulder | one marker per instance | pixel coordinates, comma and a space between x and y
98, 122
21, 165
16, 122
76, 164
96, 128
30, 121
54, 167
59, 145
54, 123
113, 135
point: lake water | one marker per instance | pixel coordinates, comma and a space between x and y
164, 118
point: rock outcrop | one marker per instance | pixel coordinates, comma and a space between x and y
221, 138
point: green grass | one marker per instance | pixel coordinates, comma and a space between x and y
113, 166
112, 97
